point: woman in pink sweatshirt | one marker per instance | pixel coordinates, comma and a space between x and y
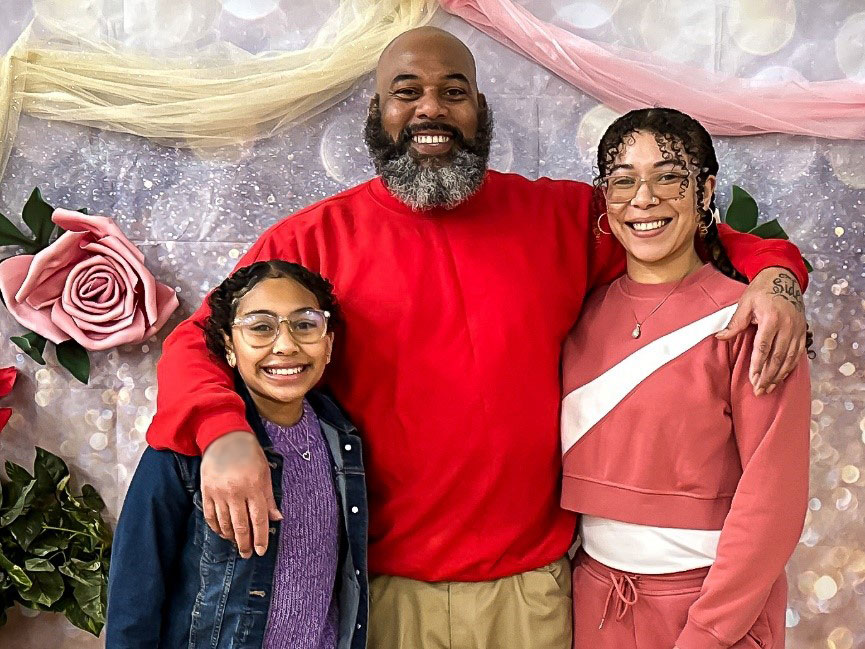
692, 489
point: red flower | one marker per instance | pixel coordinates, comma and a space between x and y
7, 380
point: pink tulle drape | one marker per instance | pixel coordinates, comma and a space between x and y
626, 79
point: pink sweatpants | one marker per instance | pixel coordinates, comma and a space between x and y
617, 610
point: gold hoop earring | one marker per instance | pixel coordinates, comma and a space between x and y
600, 229
702, 227
231, 359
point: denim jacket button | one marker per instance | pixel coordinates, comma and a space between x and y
272, 530
272, 465
348, 447
354, 510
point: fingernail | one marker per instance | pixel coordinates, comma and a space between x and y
246, 555
771, 387
759, 391
260, 550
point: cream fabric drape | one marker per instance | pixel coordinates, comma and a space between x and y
213, 100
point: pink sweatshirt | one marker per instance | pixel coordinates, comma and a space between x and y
665, 430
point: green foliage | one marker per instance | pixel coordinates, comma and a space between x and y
54, 545
31, 344
74, 358
36, 216
743, 215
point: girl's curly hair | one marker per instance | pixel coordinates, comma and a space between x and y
224, 298
684, 141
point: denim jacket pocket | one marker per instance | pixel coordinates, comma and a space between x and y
214, 548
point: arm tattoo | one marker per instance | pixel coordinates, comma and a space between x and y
787, 288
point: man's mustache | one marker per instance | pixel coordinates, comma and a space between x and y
409, 132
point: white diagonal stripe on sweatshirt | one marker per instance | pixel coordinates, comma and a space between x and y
588, 404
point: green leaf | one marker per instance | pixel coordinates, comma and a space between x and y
39, 565
17, 474
26, 528
31, 344
90, 599
74, 358
19, 577
91, 498
37, 215
23, 501
47, 588
79, 618
11, 235
742, 213
808, 265
49, 469
81, 574
87, 566
770, 230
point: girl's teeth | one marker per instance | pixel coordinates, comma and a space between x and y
651, 225
431, 139
284, 372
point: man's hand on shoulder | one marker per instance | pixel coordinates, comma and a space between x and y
773, 301
237, 493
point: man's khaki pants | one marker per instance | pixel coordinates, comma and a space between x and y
531, 610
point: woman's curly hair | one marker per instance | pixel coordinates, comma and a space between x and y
685, 142
224, 298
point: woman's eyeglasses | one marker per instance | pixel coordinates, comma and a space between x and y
664, 185
304, 325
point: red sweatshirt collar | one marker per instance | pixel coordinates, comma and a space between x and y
382, 195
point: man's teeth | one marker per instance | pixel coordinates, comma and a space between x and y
284, 371
431, 139
651, 225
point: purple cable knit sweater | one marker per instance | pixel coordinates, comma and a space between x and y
303, 609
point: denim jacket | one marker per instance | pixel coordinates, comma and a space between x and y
175, 584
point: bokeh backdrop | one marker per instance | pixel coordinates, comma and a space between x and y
194, 212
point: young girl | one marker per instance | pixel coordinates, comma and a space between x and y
693, 489
173, 581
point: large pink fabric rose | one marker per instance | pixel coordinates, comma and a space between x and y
90, 285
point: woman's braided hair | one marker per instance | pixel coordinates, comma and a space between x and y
224, 298
684, 141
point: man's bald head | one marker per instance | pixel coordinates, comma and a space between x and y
424, 43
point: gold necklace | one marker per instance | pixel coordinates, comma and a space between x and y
638, 328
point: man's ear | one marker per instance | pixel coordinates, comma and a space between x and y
482, 101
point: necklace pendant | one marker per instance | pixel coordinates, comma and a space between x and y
306, 455
636, 332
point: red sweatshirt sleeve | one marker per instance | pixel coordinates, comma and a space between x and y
196, 402
606, 256
750, 254
768, 509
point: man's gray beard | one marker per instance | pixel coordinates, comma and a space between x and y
422, 186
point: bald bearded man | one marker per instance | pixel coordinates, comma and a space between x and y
458, 285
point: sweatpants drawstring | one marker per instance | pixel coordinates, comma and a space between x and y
626, 596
